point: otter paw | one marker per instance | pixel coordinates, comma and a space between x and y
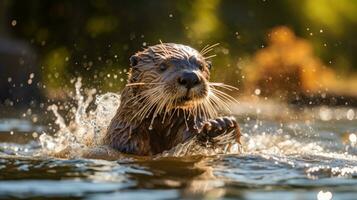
218, 126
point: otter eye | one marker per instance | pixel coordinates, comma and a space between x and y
134, 59
163, 66
209, 65
200, 66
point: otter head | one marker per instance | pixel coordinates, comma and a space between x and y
169, 77
171, 73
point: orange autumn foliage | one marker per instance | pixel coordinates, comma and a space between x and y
287, 67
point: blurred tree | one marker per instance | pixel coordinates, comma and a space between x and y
96, 37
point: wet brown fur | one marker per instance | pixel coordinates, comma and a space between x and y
142, 125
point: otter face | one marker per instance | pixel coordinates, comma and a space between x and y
186, 79
175, 74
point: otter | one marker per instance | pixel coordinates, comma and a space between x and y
169, 100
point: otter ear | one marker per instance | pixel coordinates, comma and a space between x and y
134, 60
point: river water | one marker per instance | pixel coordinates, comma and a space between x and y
286, 153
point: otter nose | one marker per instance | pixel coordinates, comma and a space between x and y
189, 79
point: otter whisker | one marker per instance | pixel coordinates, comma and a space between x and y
225, 86
147, 104
175, 109
160, 106
219, 92
164, 49
185, 118
166, 111
211, 56
153, 107
216, 100
203, 49
138, 98
141, 96
210, 108
163, 107
168, 108
142, 112
142, 83
202, 111
219, 103
225, 95
155, 97
208, 49
214, 104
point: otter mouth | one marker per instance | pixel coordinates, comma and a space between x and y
184, 99
187, 101
190, 99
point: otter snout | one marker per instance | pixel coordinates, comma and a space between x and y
189, 79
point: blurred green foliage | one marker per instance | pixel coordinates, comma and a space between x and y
95, 38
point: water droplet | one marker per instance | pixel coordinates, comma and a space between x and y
34, 135
350, 114
257, 91
325, 114
258, 111
13, 22
324, 195
353, 138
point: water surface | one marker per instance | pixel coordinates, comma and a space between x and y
287, 153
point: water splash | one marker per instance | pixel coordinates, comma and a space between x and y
315, 159
88, 126
281, 143
225, 144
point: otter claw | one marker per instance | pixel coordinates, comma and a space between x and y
219, 126
230, 121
